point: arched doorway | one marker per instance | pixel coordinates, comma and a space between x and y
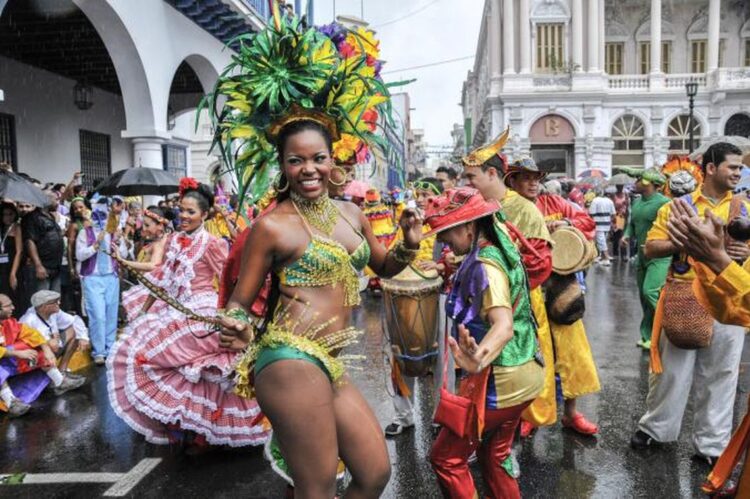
738, 124
552, 140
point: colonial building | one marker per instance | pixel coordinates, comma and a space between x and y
102, 85
602, 83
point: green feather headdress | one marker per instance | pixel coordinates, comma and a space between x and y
328, 74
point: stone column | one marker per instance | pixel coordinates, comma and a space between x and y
509, 38
714, 17
601, 34
593, 36
147, 152
576, 27
525, 34
493, 32
656, 36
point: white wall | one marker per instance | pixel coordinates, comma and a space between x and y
48, 122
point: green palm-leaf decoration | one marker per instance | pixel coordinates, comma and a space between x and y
330, 69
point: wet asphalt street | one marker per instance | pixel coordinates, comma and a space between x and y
79, 433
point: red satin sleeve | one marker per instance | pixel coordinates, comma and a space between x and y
538, 263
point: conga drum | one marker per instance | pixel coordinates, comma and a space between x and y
411, 301
572, 252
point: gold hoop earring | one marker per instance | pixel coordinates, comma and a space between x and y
343, 174
277, 183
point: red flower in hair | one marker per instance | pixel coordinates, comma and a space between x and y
186, 184
184, 242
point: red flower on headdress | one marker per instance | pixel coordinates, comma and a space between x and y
371, 118
346, 50
186, 184
370, 61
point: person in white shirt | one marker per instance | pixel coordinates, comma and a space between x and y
602, 209
99, 277
65, 333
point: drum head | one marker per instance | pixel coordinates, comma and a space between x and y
569, 251
413, 282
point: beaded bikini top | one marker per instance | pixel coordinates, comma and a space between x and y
326, 262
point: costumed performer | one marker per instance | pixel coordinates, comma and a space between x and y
157, 225
496, 347
651, 274
484, 170
380, 217
571, 359
723, 287
168, 379
714, 369
313, 246
27, 364
403, 385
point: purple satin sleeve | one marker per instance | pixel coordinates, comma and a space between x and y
465, 301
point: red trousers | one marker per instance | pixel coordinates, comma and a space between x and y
450, 457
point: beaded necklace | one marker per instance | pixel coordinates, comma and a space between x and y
320, 212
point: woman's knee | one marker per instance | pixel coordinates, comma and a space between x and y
374, 480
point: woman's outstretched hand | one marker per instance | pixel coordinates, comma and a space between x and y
411, 226
234, 334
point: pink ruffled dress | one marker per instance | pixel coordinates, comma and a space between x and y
169, 371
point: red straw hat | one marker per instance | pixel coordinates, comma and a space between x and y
456, 207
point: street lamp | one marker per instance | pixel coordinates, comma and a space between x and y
691, 89
82, 96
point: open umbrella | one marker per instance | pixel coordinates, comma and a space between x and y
16, 188
357, 189
621, 179
743, 143
139, 182
592, 173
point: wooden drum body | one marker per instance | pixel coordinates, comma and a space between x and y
411, 308
572, 252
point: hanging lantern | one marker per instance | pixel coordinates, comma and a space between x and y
82, 93
170, 118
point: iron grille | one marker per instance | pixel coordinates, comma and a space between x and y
96, 158
8, 140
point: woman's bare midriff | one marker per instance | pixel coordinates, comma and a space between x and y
315, 306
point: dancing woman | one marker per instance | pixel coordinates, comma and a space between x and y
314, 247
168, 378
496, 342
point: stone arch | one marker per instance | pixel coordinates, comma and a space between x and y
131, 74
702, 121
560, 112
643, 33
645, 120
551, 10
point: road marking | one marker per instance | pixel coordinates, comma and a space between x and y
130, 479
123, 483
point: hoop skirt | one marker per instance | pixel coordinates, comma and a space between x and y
170, 370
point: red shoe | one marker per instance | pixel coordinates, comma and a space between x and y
527, 429
580, 424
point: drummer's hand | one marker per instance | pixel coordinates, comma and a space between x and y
411, 226
234, 334
557, 224
428, 265
468, 355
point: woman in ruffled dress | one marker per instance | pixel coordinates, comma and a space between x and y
168, 379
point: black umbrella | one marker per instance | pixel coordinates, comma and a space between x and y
16, 188
139, 182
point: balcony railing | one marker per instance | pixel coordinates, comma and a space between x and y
679, 80
628, 82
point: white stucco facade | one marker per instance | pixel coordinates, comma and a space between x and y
507, 86
147, 40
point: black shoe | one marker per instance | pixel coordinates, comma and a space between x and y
642, 440
710, 461
395, 429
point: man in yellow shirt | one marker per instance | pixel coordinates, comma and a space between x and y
714, 368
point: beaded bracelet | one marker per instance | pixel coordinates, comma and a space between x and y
237, 313
402, 254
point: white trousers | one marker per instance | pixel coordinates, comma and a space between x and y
404, 406
713, 373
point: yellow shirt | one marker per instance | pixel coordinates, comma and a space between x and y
525, 216
659, 231
497, 293
726, 296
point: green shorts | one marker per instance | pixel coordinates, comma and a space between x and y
269, 355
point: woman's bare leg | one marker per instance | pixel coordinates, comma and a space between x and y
361, 443
298, 399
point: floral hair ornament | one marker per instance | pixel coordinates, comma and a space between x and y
480, 156
187, 184
456, 207
153, 216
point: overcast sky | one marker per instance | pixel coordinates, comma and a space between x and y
438, 30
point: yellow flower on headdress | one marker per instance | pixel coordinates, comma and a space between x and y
344, 149
364, 39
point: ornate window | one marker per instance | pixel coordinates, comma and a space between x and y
738, 124
175, 160
747, 52
644, 53
628, 133
613, 58
679, 134
8, 140
698, 56
549, 47
96, 157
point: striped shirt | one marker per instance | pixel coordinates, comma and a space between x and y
601, 210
